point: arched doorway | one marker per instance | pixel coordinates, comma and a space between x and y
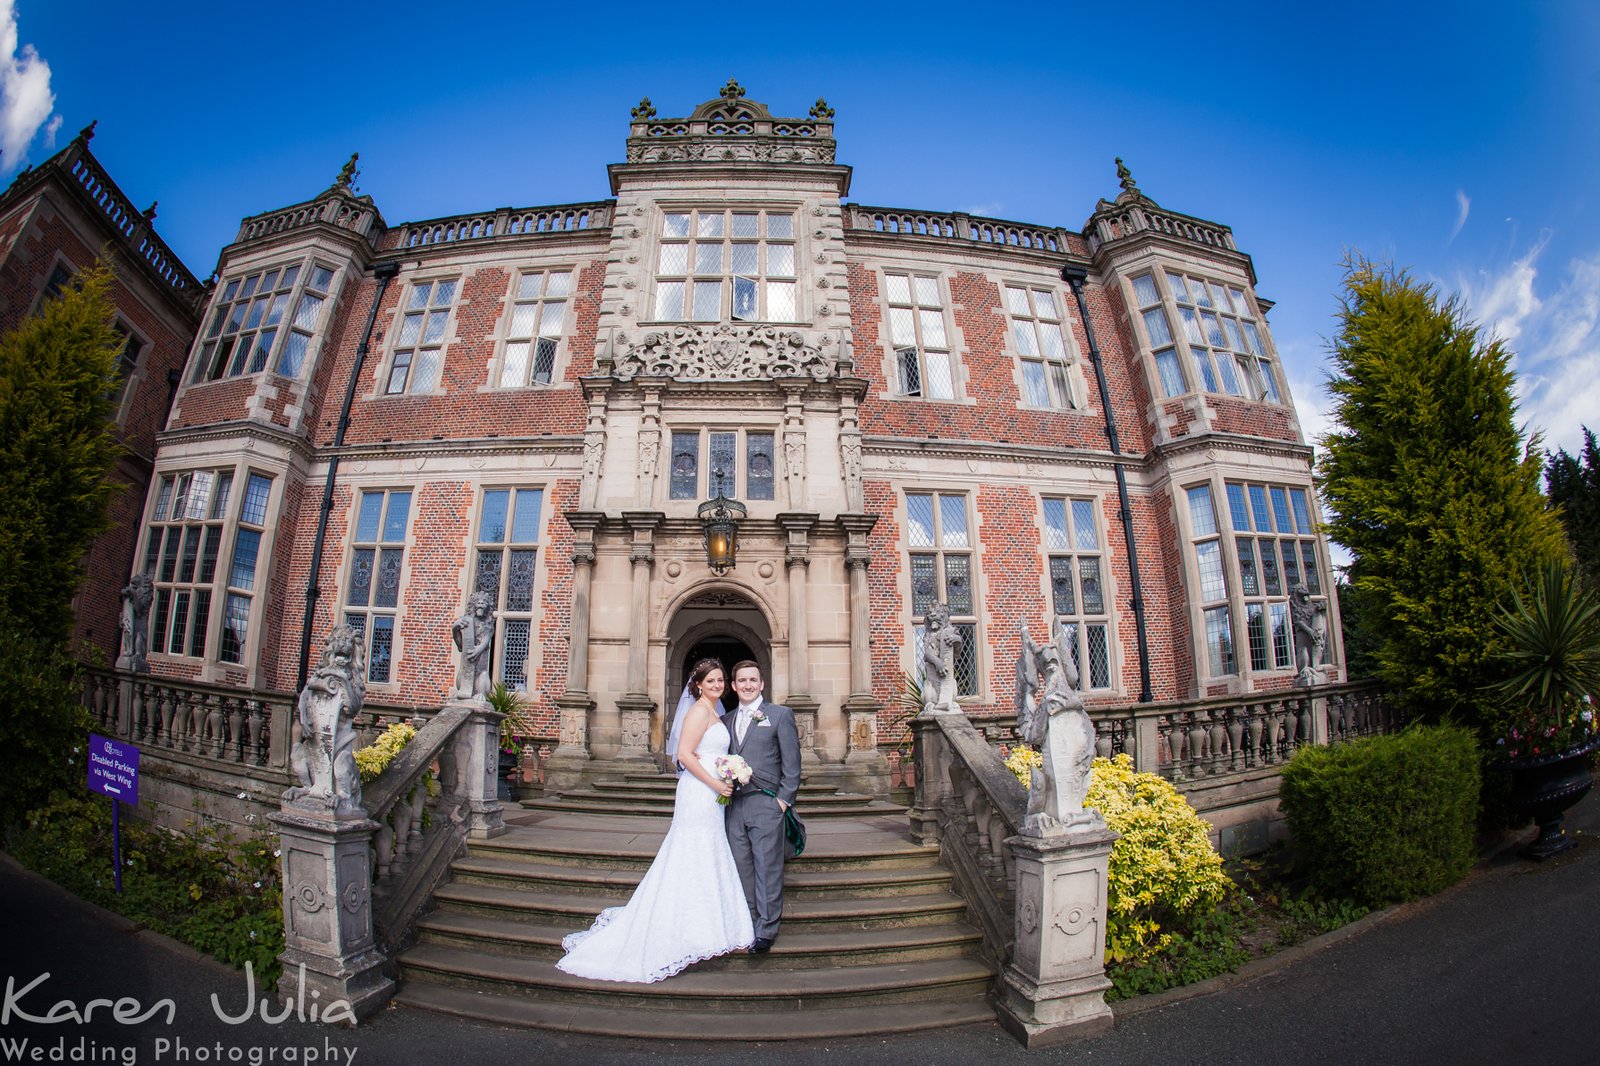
716, 623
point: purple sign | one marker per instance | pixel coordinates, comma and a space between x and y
113, 769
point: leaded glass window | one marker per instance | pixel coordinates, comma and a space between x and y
507, 556
262, 316
923, 362
719, 265
1218, 325
1041, 340
941, 572
1212, 591
194, 515
419, 342
1076, 563
1158, 332
538, 312
372, 598
1275, 544
741, 464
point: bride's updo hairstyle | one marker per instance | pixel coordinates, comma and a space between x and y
701, 670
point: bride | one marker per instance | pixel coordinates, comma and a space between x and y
690, 905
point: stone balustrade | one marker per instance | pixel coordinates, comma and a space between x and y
956, 225
215, 723
506, 222
332, 208
1143, 217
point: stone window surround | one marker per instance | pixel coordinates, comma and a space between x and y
393, 332
129, 385
1071, 363
894, 385
1157, 269
651, 256
504, 338
306, 262
241, 471
508, 543
347, 569
1081, 618
972, 619
737, 487
1235, 600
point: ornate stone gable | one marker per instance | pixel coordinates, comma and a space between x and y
731, 129
725, 352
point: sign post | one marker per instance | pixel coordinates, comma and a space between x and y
114, 772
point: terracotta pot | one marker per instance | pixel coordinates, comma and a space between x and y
1543, 787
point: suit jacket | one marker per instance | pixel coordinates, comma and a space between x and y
772, 748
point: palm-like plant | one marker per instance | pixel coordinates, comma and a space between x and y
1551, 650
513, 704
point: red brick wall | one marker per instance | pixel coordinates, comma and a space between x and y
549, 677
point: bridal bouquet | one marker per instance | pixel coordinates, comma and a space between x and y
732, 769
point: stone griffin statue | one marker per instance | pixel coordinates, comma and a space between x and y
135, 623
939, 643
473, 633
1051, 718
324, 759
1310, 620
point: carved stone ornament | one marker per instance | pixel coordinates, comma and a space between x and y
725, 352
1052, 719
324, 759
473, 633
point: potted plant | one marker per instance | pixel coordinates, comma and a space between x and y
512, 704
1550, 646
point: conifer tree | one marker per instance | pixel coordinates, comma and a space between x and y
1574, 485
57, 390
1431, 486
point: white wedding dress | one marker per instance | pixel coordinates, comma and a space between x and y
690, 905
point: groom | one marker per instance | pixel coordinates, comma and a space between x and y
764, 735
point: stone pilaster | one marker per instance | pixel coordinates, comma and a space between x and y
857, 557
1053, 990
567, 765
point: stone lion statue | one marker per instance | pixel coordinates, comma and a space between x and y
473, 633
1051, 718
324, 760
135, 622
1310, 620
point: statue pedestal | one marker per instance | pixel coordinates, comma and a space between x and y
634, 710
866, 769
567, 765
1054, 989
478, 755
329, 948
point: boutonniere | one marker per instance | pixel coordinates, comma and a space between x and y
757, 717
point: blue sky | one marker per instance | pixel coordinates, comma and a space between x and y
1456, 139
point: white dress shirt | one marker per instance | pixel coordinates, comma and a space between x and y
742, 724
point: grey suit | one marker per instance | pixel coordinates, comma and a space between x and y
755, 821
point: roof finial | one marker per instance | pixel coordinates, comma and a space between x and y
150, 212
820, 109
348, 173
87, 133
1125, 179
733, 90
646, 110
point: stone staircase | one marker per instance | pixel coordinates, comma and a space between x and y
875, 939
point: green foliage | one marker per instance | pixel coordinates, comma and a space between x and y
57, 387
1431, 486
514, 705
1574, 486
1550, 642
374, 759
207, 887
42, 723
1163, 870
1360, 636
1212, 946
1385, 818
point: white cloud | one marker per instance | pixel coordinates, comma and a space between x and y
994, 209
1463, 209
1554, 331
25, 97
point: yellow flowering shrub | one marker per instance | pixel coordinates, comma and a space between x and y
1162, 868
375, 758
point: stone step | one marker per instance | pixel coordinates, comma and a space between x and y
825, 851
695, 989
796, 949
668, 783
571, 910
618, 884
598, 803
603, 1019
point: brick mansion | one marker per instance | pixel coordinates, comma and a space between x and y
364, 422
